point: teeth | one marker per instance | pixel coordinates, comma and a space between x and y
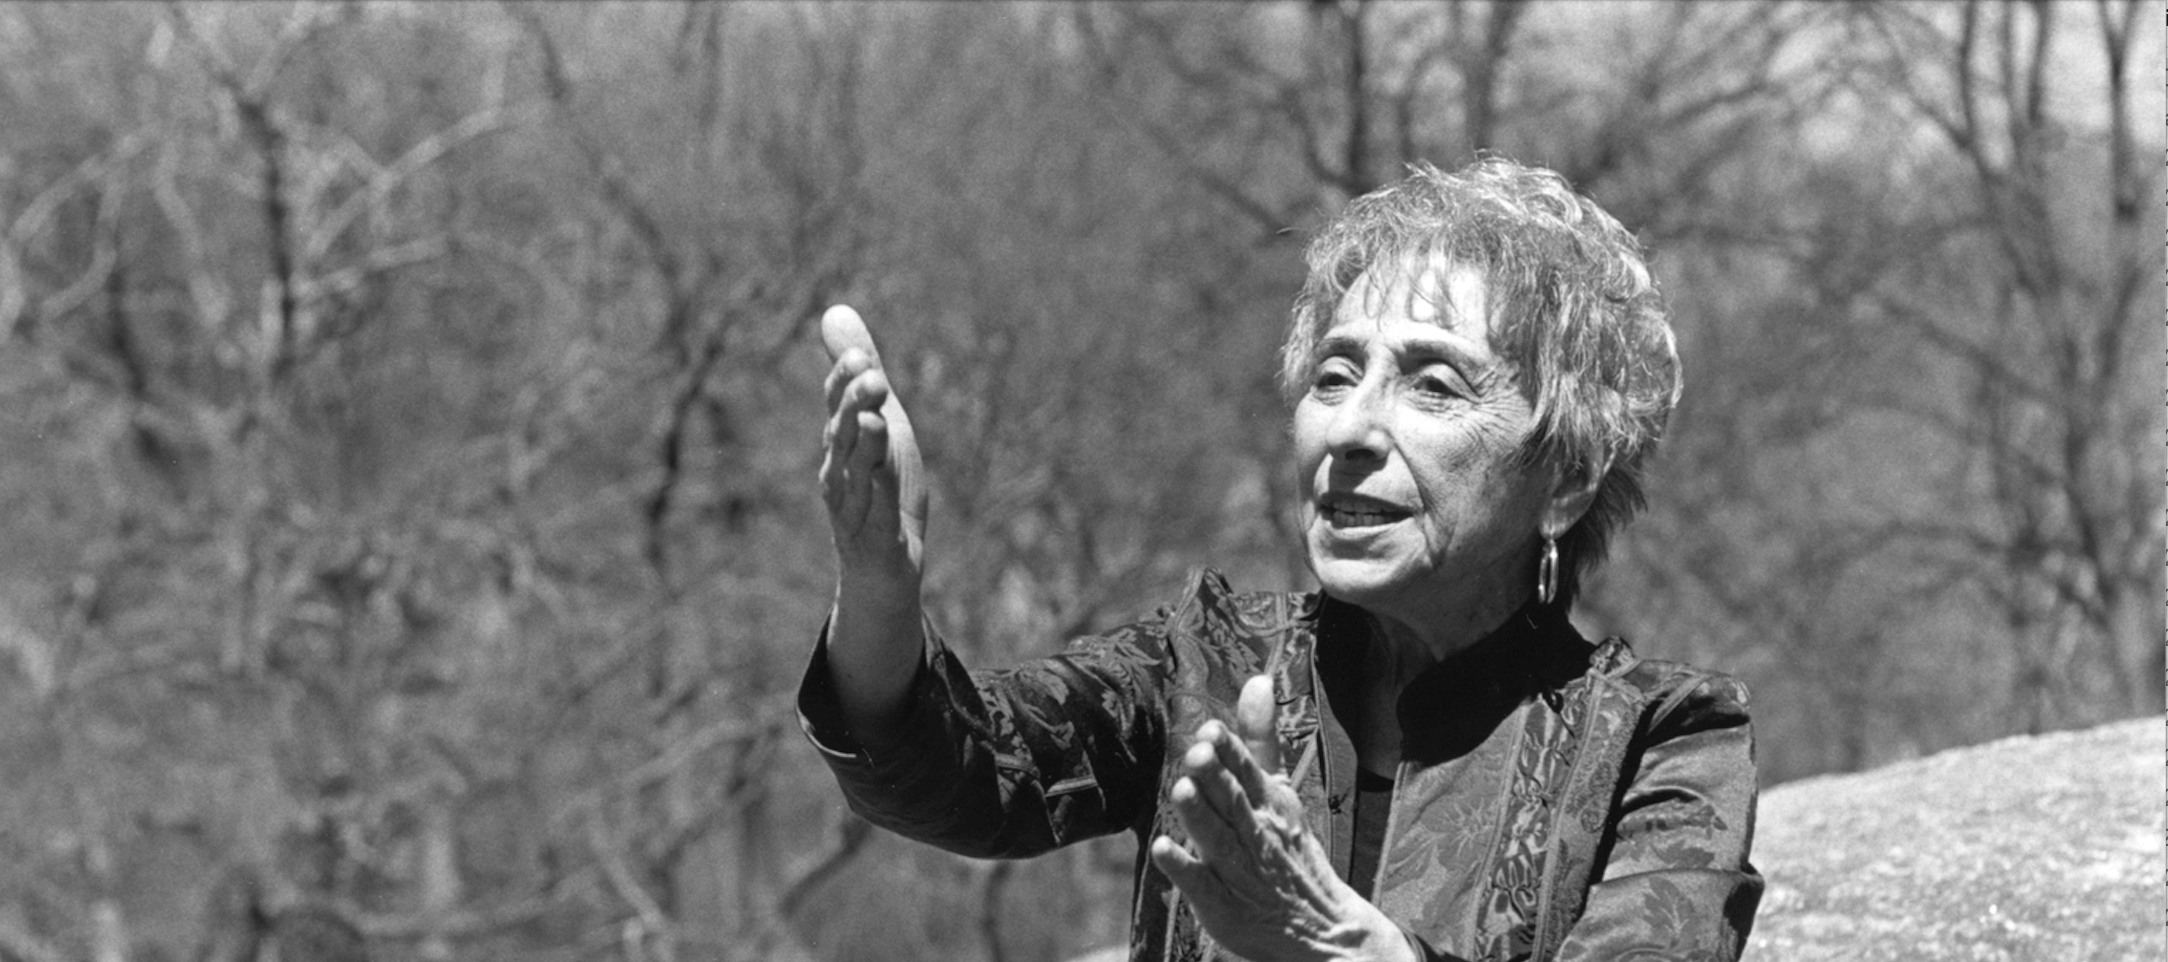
1360, 518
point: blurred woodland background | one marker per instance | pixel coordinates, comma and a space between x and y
409, 413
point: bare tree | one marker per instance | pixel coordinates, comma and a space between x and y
2047, 349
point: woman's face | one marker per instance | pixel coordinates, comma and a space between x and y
1413, 502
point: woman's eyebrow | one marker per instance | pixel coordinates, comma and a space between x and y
1449, 349
1426, 348
1337, 344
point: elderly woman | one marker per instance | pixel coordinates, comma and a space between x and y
1421, 760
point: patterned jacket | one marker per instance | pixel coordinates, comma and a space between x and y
1555, 799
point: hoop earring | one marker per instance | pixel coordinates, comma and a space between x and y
1547, 572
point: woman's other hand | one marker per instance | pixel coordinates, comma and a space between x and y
1260, 883
873, 483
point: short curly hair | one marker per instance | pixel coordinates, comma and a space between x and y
1575, 312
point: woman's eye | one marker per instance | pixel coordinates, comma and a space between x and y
1331, 378
1431, 386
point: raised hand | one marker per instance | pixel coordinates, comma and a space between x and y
1260, 883
872, 478
873, 483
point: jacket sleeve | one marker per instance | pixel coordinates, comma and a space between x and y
1676, 884
1006, 764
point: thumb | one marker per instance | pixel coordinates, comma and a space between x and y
1254, 712
842, 329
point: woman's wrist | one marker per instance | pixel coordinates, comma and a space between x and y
876, 637
1382, 939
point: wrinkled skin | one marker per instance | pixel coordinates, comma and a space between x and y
1259, 882
1415, 502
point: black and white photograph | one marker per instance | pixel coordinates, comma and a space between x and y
1083, 481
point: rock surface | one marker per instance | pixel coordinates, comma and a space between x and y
2048, 847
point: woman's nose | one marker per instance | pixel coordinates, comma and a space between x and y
1358, 429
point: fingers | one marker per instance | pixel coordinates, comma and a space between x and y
848, 387
1251, 760
1238, 853
1231, 787
1225, 802
1185, 870
1259, 882
1173, 859
847, 368
1223, 770
857, 404
1212, 804
843, 330
1254, 716
1220, 863
870, 450
855, 475
872, 476
856, 388
858, 417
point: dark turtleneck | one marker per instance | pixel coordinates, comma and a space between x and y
1448, 709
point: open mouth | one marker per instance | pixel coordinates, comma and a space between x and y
1357, 511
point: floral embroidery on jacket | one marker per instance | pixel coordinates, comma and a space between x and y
1615, 795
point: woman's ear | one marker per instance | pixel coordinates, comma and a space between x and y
1572, 492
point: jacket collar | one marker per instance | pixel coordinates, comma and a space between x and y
1457, 701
